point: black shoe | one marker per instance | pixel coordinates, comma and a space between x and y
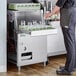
63, 67
63, 72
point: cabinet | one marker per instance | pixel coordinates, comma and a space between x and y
55, 42
30, 50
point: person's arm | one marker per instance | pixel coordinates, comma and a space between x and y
55, 10
59, 5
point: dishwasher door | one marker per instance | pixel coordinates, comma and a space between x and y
27, 16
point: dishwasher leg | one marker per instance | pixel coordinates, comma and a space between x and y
44, 64
47, 62
19, 68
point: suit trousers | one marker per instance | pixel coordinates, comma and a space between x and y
68, 23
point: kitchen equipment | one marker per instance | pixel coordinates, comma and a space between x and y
30, 36
30, 48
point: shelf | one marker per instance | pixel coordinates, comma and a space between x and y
44, 32
37, 30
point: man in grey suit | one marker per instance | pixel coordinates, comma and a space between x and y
68, 21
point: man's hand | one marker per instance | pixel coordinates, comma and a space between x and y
55, 11
47, 15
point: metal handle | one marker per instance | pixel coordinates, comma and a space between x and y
25, 48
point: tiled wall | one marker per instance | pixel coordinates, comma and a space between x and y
2, 33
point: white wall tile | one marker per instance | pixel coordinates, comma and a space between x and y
3, 32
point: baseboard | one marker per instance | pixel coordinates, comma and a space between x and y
56, 53
3, 68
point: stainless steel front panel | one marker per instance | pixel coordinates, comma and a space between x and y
28, 16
